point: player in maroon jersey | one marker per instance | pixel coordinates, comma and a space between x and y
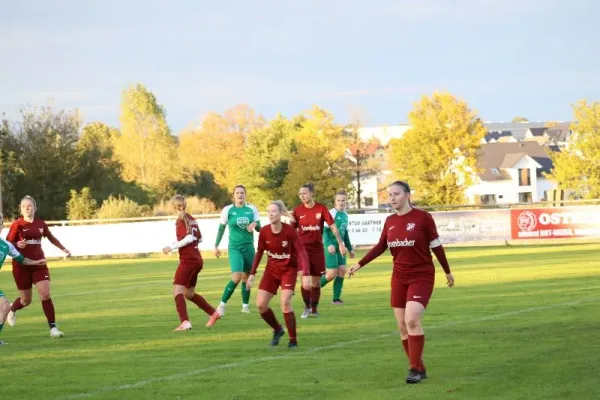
190, 264
285, 254
409, 233
310, 218
26, 235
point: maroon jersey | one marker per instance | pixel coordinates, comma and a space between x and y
408, 237
284, 250
32, 233
310, 222
189, 252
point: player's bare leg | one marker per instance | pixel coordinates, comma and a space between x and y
181, 307
4, 310
20, 302
43, 288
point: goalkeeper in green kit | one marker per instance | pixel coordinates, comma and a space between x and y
7, 249
335, 262
242, 220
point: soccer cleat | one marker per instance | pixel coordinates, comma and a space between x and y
55, 333
2, 343
245, 308
213, 318
306, 313
414, 376
11, 318
292, 344
424, 375
337, 302
221, 309
314, 313
276, 336
185, 326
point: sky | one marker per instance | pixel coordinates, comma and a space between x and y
356, 58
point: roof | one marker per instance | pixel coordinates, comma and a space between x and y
369, 149
496, 135
558, 134
538, 131
495, 157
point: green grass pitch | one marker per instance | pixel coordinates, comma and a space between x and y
521, 323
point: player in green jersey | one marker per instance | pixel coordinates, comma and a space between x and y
335, 262
7, 249
242, 220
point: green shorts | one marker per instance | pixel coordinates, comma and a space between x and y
334, 260
241, 258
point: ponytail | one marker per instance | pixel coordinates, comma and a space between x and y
179, 204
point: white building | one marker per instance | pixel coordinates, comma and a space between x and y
511, 173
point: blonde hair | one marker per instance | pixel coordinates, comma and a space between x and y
28, 197
341, 192
283, 210
179, 204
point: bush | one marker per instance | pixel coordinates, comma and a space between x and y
195, 205
120, 208
81, 205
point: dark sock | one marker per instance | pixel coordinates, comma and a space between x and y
16, 305
270, 319
48, 308
290, 323
202, 303
315, 295
228, 291
306, 297
416, 345
338, 284
324, 280
181, 307
245, 294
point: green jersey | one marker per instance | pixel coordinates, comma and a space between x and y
341, 222
7, 249
238, 219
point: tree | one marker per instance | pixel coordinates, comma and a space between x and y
81, 205
520, 119
145, 147
578, 166
438, 155
317, 156
117, 207
46, 140
11, 170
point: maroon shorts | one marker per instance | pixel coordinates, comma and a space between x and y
414, 289
316, 260
26, 276
272, 280
187, 274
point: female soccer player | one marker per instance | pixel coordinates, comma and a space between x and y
409, 233
335, 262
242, 220
7, 249
190, 264
26, 234
310, 217
285, 252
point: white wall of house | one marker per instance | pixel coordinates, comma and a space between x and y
368, 185
504, 191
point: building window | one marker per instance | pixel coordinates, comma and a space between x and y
488, 199
525, 197
368, 201
524, 177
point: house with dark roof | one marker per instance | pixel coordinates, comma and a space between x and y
511, 173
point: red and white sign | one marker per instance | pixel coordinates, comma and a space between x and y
547, 223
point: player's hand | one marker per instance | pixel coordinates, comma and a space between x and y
21, 244
450, 279
67, 252
353, 269
167, 249
331, 249
306, 282
351, 253
249, 282
250, 228
217, 252
40, 262
343, 249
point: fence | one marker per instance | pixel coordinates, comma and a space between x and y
92, 238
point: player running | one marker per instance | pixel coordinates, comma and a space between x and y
7, 249
285, 254
335, 262
26, 235
310, 218
242, 220
409, 233
190, 265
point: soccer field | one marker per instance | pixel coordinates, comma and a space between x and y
522, 322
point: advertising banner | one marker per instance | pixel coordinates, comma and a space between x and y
548, 223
